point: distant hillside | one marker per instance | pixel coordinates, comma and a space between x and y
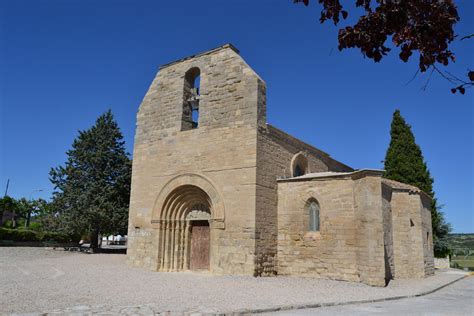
461, 242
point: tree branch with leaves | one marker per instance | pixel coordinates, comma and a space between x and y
423, 26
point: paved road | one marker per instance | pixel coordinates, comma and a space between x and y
455, 299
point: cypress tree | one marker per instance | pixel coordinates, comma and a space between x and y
404, 162
92, 189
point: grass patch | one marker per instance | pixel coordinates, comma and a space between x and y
464, 263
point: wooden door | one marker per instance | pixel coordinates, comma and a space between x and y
199, 246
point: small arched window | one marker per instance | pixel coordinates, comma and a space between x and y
313, 210
299, 165
192, 81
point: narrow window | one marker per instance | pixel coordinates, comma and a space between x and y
192, 81
298, 171
313, 209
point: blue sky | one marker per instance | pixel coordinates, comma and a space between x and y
65, 62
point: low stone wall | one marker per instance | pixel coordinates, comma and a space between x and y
11, 243
441, 263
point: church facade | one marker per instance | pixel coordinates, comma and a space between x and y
216, 188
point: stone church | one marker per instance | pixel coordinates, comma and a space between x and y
217, 188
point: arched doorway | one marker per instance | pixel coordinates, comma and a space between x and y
185, 235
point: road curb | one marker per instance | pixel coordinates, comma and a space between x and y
318, 305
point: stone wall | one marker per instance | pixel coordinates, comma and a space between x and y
282, 147
222, 150
442, 263
349, 245
407, 238
368, 213
275, 152
427, 232
412, 233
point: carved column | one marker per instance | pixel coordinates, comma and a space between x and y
187, 240
176, 244
164, 227
173, 245
182, 245
160, 245
167, 246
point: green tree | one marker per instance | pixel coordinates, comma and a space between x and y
92, 189
23, 210
18, 209
7, 204
404, 162
35, 209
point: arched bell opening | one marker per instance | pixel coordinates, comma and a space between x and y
184, 230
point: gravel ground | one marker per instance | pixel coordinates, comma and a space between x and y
46, 280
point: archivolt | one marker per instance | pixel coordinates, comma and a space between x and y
184, 199
177, 195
